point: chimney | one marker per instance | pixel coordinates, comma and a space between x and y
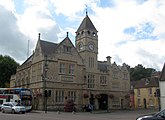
109, 60
39, 34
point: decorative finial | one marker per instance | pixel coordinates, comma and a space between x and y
39, 36
86, 10
67, 34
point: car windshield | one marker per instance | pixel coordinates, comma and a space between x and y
15, 104
161, 113
18, 104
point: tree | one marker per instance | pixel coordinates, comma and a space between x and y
139, 72
8, 67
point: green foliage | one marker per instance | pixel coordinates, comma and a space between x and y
139, 72
8, 67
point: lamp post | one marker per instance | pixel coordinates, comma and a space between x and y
45, 77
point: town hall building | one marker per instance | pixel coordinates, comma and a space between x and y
68, 72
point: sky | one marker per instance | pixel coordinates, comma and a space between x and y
130, 31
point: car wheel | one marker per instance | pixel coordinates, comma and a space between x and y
3, 111
23, 112
13, 111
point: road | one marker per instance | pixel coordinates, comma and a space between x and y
41, 115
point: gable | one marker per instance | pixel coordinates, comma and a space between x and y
124, 68
66, 50
115, 67
37, 49
65, 46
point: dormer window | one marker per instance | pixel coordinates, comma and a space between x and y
146, 82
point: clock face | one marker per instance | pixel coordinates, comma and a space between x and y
91, 46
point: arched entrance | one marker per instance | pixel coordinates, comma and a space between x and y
103, 101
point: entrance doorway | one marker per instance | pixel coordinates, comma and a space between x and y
145, 103
92, 100
103, 101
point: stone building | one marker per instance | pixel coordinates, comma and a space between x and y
145, 93
73, 72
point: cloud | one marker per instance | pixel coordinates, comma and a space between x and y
38, 19
127, 28
141, 32
24, 26
10, 36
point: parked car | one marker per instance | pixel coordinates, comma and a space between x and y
156, 116
12, 107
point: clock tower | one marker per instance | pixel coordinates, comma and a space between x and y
87, 43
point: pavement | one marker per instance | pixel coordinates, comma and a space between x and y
95, 115
138, 111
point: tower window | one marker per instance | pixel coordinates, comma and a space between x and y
82, 32
88, 32
81, 46
94, 34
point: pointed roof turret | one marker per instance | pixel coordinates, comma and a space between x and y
86, 24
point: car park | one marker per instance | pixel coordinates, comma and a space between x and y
12, 107
155, 116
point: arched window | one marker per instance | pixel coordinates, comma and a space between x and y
88, 32
81, 46
82, 32
94, 34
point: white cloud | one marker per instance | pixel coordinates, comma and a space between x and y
41, 16
34, 19
8, 5
11, 39
111, 22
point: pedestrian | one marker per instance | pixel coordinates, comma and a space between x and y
90, 107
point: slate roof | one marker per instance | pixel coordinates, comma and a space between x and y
48, 47
146, 83
162, 76
102, 66
86, 24
28, 60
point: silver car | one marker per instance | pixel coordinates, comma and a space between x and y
12, 107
